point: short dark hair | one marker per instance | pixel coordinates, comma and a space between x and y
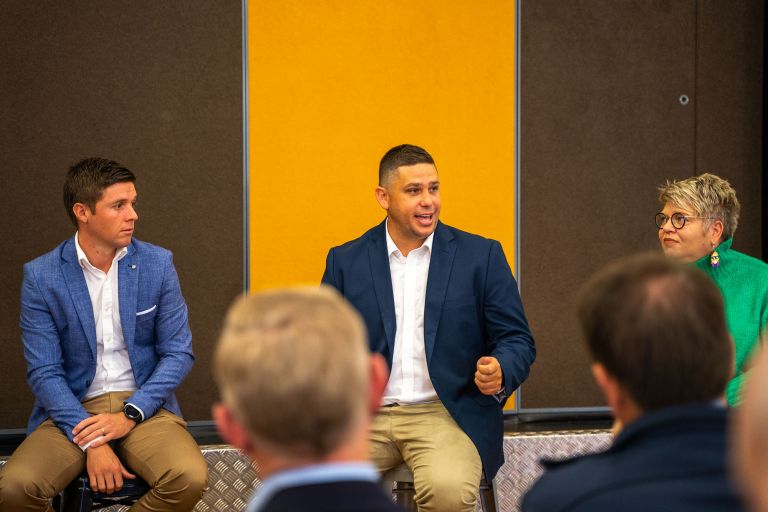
404, 154
658, 326
87, 179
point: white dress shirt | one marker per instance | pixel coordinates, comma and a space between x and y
409, 381
113, 366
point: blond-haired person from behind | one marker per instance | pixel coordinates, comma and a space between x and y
696, 225
298, 389
750, 437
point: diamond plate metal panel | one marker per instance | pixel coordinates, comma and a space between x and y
522, 453
232, 479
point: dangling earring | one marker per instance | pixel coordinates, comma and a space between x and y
714, 258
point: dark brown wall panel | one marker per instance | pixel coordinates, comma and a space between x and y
729, 106
601, 127
155, 86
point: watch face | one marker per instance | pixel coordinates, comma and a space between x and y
132, 413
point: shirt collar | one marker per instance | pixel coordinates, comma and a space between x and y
309, 475
83, 259
391, 247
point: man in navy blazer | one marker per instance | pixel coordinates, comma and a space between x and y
443, 308
107, 341
662, 355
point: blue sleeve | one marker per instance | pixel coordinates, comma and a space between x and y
45, 364
173, 345
509, 337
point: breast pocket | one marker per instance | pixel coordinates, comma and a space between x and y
145, 325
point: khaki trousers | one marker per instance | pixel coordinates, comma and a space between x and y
445, 463
159, 450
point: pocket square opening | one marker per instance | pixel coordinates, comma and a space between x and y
147, 310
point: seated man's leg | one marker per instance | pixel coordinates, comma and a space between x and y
384, 451
445, 463
163, 453
41, 467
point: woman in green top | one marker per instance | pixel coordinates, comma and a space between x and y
696, 225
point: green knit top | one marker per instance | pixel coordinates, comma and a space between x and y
743, 281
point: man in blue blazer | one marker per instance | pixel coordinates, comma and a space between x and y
107, 341
443, 308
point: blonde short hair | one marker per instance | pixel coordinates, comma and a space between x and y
708, 196
293, 365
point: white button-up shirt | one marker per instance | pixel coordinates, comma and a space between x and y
409, 380
113, 366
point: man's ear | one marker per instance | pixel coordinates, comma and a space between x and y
379, 378
608, 385
382, 196
81, 211
230, 428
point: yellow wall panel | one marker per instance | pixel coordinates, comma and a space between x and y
333, 84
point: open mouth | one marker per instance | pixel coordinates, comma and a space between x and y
425, 219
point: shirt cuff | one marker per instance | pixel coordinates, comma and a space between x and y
89, 443
500, 395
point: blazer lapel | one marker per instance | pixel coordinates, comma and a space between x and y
78, 290
128, 284
440, 264
382, 284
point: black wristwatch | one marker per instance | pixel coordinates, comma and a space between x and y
132, 413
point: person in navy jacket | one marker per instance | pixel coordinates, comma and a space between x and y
443, 308
662, 355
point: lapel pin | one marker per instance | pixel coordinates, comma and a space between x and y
133, 267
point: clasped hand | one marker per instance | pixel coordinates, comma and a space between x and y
488, 376
109, 425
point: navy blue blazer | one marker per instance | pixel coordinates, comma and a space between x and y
59, 333
472, 309
354, 496
671, 460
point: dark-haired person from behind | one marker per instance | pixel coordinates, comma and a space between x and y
107, 341
661, 354
696, 225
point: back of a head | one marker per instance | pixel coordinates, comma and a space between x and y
750, 437
293, 365
659, 328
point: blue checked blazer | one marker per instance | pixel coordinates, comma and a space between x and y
59, 333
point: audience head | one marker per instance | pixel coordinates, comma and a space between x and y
656, 332
750, 436
295, 374
697, 214
402, 155
87, 179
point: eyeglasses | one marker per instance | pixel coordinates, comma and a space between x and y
678, 219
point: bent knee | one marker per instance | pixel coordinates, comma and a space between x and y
18, 487
190, 479
447, 492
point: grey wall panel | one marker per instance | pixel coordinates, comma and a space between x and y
156, 86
